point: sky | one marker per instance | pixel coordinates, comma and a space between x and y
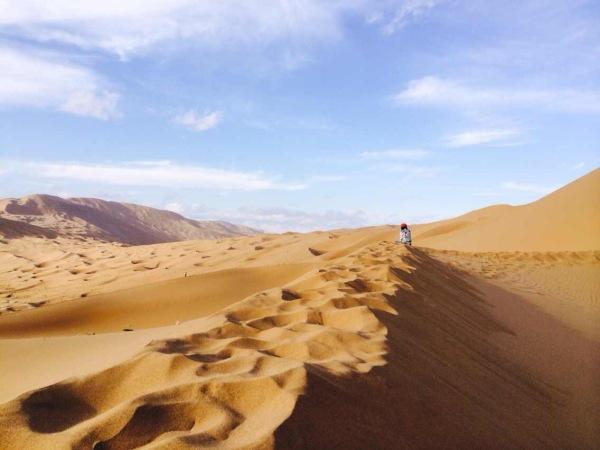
299, 114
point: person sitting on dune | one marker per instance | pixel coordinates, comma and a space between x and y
405, 235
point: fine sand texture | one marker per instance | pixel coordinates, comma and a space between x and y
384, 345
564, 284
341, 339
38, 272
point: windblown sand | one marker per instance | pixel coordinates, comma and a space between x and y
323, 340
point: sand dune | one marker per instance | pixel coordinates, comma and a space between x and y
193, 296
565, 220
251, 364
51, 271
564, 284
91, 218
339, 339
362, 339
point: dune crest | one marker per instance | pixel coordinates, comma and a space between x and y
58, 270
568, 219
385, 336
232, 384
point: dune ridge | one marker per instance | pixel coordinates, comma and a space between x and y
52, 271
568, 219
215, 386
383, 338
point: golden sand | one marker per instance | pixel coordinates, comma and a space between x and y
338, 339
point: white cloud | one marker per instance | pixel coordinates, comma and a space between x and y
161, 174
411, 169
199, 122
278, 219
527, 187
400, 15
175, 207
395, 154
482, 137
434, 91
44, 81
86, 103
127, 27
284, 219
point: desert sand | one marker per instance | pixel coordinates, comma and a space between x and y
565, 220
473, 338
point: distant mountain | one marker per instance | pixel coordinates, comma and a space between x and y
48, 215
568, 219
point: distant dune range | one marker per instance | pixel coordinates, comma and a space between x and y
106, 221
343, 339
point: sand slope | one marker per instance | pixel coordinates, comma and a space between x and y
469, 366
380, 344
193, 296
36, 272
233, 383
564, 284
565, 220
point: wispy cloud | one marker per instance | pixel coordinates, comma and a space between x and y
395, 154
434, 91
483, 137
527, 187
409, 169
285, 219
101, 105
199, 122
280, 219
398, 16
43, 80
162, 174
132, 26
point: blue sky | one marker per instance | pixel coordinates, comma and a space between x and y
299, 114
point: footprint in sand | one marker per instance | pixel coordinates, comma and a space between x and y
231, 385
